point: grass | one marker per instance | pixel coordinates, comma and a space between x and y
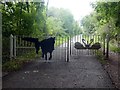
101, 57
17, 64
114, 48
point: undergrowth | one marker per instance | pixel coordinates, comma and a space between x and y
18, 63
101, 57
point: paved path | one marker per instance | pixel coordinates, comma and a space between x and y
80, 72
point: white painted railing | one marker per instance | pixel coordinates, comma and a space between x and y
16, 44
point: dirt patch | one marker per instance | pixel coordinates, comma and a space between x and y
112, 68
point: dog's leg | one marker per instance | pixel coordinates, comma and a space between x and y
42, 55
45, 56
50, 56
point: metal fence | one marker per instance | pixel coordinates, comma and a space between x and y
104, 42
14, 47
83, 50
20, 47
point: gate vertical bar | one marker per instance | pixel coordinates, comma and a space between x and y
68, 51
59, 49
70, 45
1, 50
75, 41
82, 42
65, 48
88, 37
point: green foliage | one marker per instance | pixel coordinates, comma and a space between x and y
11, 66
54, 26
18, 63
109, 13
108, 10
90, 23
77, 29
22, 18
108, 19
114, 46
62, 21
101, 57
115, 49
104, 20
29, 18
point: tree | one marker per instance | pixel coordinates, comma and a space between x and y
22, 18
63, 16
76, 28
55, 26
109, 12
90, 23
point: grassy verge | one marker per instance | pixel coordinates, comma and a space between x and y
101, 57
114, 48
17, 64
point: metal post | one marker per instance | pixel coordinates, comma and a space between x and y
107, 47
70, 45
1, 51
104, 46
68, 51
11, 47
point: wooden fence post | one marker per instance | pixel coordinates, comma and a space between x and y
11, 47
14, 46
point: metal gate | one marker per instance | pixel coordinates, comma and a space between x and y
64, 46
89, 44
19, 47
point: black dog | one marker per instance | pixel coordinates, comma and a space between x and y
47, 45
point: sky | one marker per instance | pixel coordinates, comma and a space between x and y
79, 8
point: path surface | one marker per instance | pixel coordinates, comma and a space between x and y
80, 72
